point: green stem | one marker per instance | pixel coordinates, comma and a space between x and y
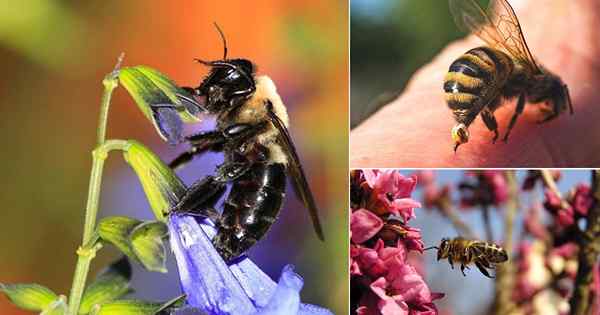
87, 251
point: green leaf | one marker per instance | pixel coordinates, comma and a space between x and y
33, 297
162, 186
57, 307
116, 230
148, 245
137, 307
110, 285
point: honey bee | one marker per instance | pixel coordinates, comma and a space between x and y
479, 80
482, 254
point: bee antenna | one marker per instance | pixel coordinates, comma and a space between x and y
224, 41
431, 247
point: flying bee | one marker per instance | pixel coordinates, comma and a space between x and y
479, 80
482, 254
259, 155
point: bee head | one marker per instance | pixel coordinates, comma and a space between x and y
444, 249
228, 82
548, 86
460, 135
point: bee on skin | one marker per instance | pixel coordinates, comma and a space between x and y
479, 80
482, 254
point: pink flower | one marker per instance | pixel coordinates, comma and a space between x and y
404, 290
413, 240
533, 223
489, 188
377, 261
364, 224
582, 199
391, 193
533, 176
498, 183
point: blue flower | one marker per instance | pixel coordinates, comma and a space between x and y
213, 287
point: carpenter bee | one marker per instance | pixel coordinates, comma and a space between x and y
482, 254
478, 81
259, 155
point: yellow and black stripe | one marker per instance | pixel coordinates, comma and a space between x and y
471, 79
492, 252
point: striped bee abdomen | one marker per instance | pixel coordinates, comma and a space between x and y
470, 81
492, 252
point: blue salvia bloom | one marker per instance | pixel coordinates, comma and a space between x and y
213, 287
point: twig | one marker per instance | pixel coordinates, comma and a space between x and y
589, 242
505, 273
551, 184
485, 211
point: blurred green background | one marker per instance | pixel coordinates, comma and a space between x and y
54, 55
390, 40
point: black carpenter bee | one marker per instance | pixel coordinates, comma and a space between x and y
482, 254
479, 79
258, 153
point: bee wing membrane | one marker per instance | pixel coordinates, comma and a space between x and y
498, 27
296, 173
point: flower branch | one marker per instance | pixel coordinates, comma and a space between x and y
588, 255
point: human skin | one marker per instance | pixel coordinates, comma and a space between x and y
414, 129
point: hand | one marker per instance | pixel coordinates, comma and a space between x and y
414, 130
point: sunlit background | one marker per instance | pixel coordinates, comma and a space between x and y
473, 293
390, 40
54, 55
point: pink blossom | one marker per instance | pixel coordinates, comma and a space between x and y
364, 224
404, 289
391, 193
413, 240
403, 207
533, 223
377, 261
489, 188
582, 199
498, 183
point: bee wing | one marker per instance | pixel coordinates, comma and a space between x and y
498, 27
296, 173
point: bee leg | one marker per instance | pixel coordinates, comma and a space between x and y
483, 270
513, 120
462, 269
200, 198
490, 122
201, 143
450, 262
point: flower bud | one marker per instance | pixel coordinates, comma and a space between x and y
161, 101
162, 187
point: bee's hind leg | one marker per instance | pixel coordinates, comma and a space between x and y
462, 269
513, 120
490, 122
483, 270
200, 198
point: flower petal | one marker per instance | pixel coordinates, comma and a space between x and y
364, 224
205, 278
286, 298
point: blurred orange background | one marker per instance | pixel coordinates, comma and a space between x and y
54, 55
